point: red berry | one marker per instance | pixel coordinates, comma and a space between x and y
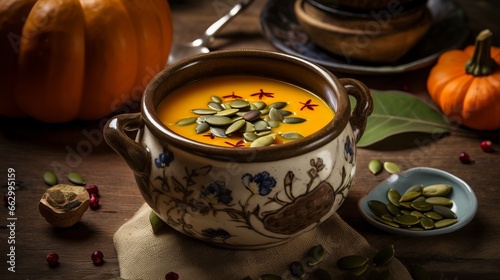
94, 202
92, 189
52, 259
464, 158
172, 276
97, 257
487, 146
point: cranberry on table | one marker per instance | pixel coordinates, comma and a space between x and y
92, 189
171, 276
94, 202
52, 259
97, 257
464, 158
486, 146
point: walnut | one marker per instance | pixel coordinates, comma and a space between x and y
64, 205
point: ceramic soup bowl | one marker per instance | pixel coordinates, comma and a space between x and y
244, 198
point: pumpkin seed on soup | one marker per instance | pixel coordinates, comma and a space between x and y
248, 100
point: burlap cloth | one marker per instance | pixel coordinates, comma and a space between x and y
145, 255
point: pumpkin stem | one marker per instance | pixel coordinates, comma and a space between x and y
481, 63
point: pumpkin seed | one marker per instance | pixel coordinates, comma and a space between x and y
249, 127
50, 178
394, 196
264, 111
389, 223
215, 106
259, 105
406, 220
436, 190
252, 115
351, 262
433, 215
405, 212
392, 167
226, 112
239, 104
297, 270
264, 141
378, 208
202, 128
216, 99
375, 166
439, 200
261, 125
426, 223
406, 204
270, 277
273, 124
278, 105
444, 211
393, 209
75, 178
419, 273
187, 121
388, 217
293, 120
322, 274
384, 256
264, 133
315, 255
204, 111
235, 126
275, 115
250, 136
421, 205
444, 223
359, 270
420, 198
285, 113
218, 132
219, 121
417, 214
412, 193
291, 135
155, 221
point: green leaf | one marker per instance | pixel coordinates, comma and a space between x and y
398, 112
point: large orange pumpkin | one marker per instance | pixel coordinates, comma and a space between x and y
62, 60
465, 84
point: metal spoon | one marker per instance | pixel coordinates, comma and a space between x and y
200, 45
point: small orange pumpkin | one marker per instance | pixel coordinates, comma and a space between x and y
465, 84
79, 59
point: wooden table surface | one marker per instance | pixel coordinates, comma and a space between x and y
30, 148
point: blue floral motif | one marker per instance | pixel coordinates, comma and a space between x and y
164, 159
348, 150
217, 192
262, 183
215, 233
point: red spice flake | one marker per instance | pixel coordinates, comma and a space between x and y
263, 94
240, 143
232, 95
308, 105
209, 135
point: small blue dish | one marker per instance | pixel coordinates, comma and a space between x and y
464, 199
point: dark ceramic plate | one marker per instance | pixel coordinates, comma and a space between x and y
448, 31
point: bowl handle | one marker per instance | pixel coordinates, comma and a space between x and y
363, 107
135, 154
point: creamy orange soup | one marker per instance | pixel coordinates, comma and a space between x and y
303, 114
